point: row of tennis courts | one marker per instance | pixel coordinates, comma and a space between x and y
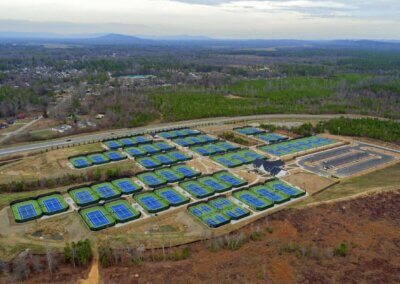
210, 149
161, 199
34, 208
127, 142
219, 211
260, 134
163, 159
296, 145
237, 158
97, 158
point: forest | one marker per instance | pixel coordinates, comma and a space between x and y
197, 81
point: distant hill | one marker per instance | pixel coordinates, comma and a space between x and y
115, 39
188, 40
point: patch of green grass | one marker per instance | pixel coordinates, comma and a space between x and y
341, 250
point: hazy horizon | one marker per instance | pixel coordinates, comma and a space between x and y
225, 19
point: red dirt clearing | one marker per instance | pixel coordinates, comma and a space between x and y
296, 245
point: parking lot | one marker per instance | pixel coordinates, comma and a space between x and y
347, 160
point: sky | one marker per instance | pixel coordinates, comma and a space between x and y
249, 19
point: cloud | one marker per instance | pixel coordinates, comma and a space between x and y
215, 18
312, 8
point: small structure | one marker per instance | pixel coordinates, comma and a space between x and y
274, 168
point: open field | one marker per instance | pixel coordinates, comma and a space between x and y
52, 164
311, 182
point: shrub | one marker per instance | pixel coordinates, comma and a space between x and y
341, 250
79, 253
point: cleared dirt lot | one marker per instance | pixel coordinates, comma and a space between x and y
309, 182
299, 246
53, 164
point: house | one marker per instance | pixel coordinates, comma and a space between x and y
274, 168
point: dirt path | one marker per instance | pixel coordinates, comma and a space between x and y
93, 276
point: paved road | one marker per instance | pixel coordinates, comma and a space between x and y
147, 129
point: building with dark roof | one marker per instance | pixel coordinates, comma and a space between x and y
274, 168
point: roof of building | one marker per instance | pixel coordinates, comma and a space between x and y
272, 167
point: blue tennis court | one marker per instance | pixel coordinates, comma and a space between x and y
196, 189
98, 159
202, 151
126, 186
105, 190
172, 197
163, 146
220, 203
114, 155
183, 142
140, 139
127, 142
254, 201
216, 220
164, 159
149, 148
80, 162
53, 205
250, 155
27, 211
206, 138
227, 146
151, 203
178, 156
201, 209
170, 175
266, 193
193, 140
148, 162
236, 212
166, 135
113, 144
238, 157
190, 132
186, 171
293, 192
227, 162
214, 148
271, 137
257, 203
135, 152
214, 184
152, 179
83, 196
249, 130
122, 211
230, 179
97, 218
